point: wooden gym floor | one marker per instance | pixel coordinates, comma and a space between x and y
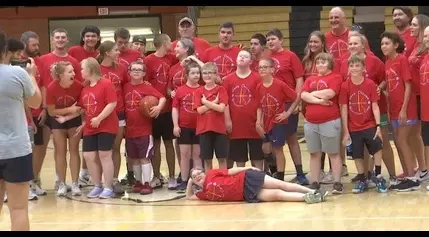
166, 210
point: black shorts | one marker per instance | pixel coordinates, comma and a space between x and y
253, 182
98, 142
213, 141
240, 150
163, 127
292, 122
425, 132
17, 170
48, 121
38, 137
72, 123
419, 108
365, 138
188, 137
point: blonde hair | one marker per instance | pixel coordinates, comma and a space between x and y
307, 60
92, 65
59, 68
362, 38
326, 57
356, 59
210, 66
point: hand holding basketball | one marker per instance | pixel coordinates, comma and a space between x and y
148, 106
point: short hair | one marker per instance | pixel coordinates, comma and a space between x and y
26, 36
14, 45
60, 30
261, 38
396, 39
356, 59
210, 66
90, 29
275, 32
326, 57
269, 61
227, 24
407, 11
160, 39
59, 68
191, 65
138, 62
121, 33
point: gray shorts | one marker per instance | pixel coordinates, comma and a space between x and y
324, 137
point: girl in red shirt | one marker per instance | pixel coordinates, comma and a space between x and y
322, 126
402, 104
424, 86
62, 95
117, 74
98, 100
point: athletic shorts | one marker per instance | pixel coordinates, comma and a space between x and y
72, 123
240, 150
98, 142
162, 127
384, 120
324, 137
397, 124
253, 183
365, 138
188, 137
425, 132
292, 122
277, 135
17, 170
121, 118
140, 147
213, 142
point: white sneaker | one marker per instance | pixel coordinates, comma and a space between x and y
85, 180
422, 176
32, 196
155, 183
344, 171
427, 187
37, 189
75, 190
62, 190
172, 183
328, 178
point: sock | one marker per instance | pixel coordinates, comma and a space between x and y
57, 178
147, 172
299, 170
377, 170
361, 177
137, 169
83, 172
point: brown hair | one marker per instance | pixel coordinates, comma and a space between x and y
59, 30
104, 48
92, 65
307, 60
59, 68
326, 57
160, 39
191, 65
138, 62
423, 22
209, 66
356, 59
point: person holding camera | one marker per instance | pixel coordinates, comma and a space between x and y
18, 87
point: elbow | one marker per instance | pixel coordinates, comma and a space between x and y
200, 111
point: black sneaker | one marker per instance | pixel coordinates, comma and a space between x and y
278, 176
315, 186
179, 178
355, 179
408, 185
338, 188
182, 187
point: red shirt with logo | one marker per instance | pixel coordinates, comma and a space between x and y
79, 53
424, 86
225, 59
183, 101
63, 97
49, 59
219, 186
288, 67
118, 76
337, 45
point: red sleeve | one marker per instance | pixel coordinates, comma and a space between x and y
335, 83
374, 95
306, 86
148, 76
176, 101
343, 99
405, 70
197, 98
50, 95
77, 70
381, 71
297, 69
124, 73
205, 55
109, 92
289, 92
223, 96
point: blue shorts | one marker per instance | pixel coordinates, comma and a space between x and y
292, 122
397, 124
277, 135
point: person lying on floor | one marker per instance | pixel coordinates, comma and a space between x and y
247, 184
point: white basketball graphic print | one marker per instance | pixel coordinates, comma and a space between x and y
359, 103
123, 61
132, 100
276, 65
188, 103
215, 192
114, 78
179, 78
65, 100
225, 64
161, 73
270, 105
241, 95
424, 73
338, 48
318, 85
90, 103
392, 79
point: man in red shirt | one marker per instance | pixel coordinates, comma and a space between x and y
89, 42
187, 30
402, 17
248, 184
258, 43
337, 38
139, 44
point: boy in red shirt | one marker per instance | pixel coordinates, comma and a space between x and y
361, 122
138, 135
88, 47
272, 117
210, 102
185, 123
240, 114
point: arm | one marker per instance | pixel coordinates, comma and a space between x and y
189, 194
195, 59
34, 100
59, 112
237, 170
310, 98
27, 111
376, 112
216, 107
202, 109
407, 95
227, 115
259, 117
107, 111
344, 118
325, 94
175, 117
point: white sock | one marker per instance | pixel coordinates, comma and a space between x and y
57, 178
147, 172
137, 169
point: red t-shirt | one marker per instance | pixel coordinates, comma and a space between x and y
176, 76
242, 104
313, 70
337, 45
137, 124
63, 97
119, 77
36, 112
316, 113
128, 56
200, 45
415, 62
397, 74
225, 59
359, 99
219, 186
211, 120
375, 70
287, 67
49, 59
79, 53
184, 103
410, 42
424, 86
272, 101
255, 65
93, 100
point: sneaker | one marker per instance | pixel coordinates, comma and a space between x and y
179, 178
182, 187
328, 178
313, 197
75, 190
393, 180
381, 184
407, 185
62, 190
315, 186
372, 183
338, 188
117, 187
156, 183
84, 180
95, 192
422, 176
106, 193
57, 185
302, 180
162, 179
32, 196
360, 187
146, 189
128, 180
172, 183
355, 179
36, 188
345, 171
137, 187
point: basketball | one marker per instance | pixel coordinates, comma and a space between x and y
146, 103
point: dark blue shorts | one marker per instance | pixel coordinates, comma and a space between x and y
292, 122
277, 135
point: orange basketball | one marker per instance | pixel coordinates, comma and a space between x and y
146, 103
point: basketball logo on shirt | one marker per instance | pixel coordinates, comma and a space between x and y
276, 65
90, 104
270, 105
123, 61
214, 192
318, 85
161, 74
179, 78
188, 103
114, 78
132, 100
338, 48
65, 101
241, 95
225, 64
392, 79
424, 74
359, 103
